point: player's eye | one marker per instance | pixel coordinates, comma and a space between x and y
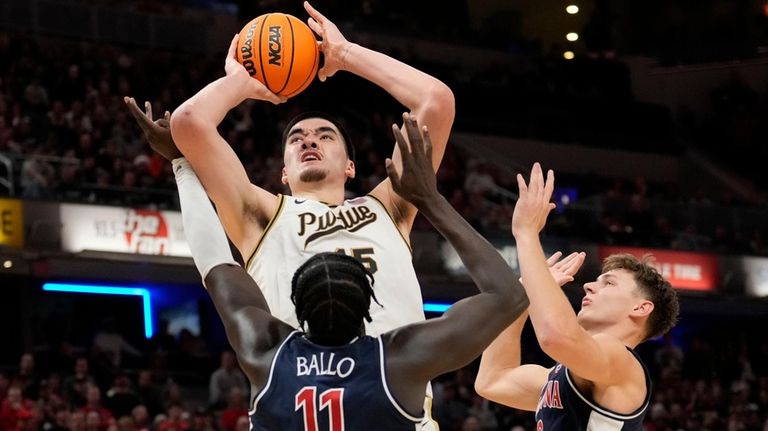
326, 137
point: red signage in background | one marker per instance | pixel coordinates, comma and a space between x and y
684, 270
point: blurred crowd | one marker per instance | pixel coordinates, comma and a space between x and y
705, 380
66, 129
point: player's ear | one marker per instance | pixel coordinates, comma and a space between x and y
284, 177
643, 308
349, 172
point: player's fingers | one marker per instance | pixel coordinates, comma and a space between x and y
549, 185
414, 138
567, 261
521, 185
315, 26
231, 52
402, 144
322, 74
167, 116
392, 173
314, 12
536, 183
427, 143
554, 258
134, 109
148, 110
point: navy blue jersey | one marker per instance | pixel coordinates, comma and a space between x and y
562, 407
323, 388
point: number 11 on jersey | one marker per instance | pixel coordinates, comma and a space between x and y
332, 399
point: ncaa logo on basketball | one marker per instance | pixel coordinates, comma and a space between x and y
275, 44
146, 232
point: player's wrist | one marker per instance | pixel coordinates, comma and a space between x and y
430, 203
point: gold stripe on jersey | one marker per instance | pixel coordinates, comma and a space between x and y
280, 206
397, 227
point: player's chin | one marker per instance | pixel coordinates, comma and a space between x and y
313, 175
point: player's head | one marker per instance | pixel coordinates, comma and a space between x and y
316, 148
332, 293
630, 288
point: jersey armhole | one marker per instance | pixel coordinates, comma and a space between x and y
392, 400
264, 389
392, 219
280, 205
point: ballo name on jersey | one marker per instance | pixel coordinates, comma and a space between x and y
350, 219
320, 365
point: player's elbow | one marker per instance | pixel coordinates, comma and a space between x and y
185, 122
441, 100
554, 340
484, 385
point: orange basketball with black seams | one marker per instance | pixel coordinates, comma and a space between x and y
281, 51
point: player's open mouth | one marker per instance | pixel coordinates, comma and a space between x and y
310, 156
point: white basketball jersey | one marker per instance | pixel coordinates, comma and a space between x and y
359, 227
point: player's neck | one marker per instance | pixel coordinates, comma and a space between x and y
326, 193
627, 333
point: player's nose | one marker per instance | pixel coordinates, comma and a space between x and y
589, 287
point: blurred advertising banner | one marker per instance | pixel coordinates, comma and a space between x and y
11, 223
684, 270
125, 230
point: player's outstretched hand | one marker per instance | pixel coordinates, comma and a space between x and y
157, 132
334, 45
533, 205
564, 269
416, 183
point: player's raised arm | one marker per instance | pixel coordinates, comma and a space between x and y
251, 330
430, 348
595, 358
428, 98
501, 377
243, 208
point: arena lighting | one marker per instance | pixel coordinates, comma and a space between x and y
568, 55
7, 264
572, 9
110, 290
434, 307
572, 37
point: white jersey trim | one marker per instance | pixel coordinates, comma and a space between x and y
598, 422
281, 202
392, 219
271, 372
386, 386
602, 410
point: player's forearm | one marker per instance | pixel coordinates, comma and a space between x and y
485, 265
206, 109
411, 87
551, 313
501, 355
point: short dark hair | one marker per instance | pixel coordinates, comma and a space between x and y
319, 114
332, 293
654, 287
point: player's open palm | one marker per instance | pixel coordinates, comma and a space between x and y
334, 45
416, 182
533, 205
563, 270
157, 132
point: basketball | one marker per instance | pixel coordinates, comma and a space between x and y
281, 51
